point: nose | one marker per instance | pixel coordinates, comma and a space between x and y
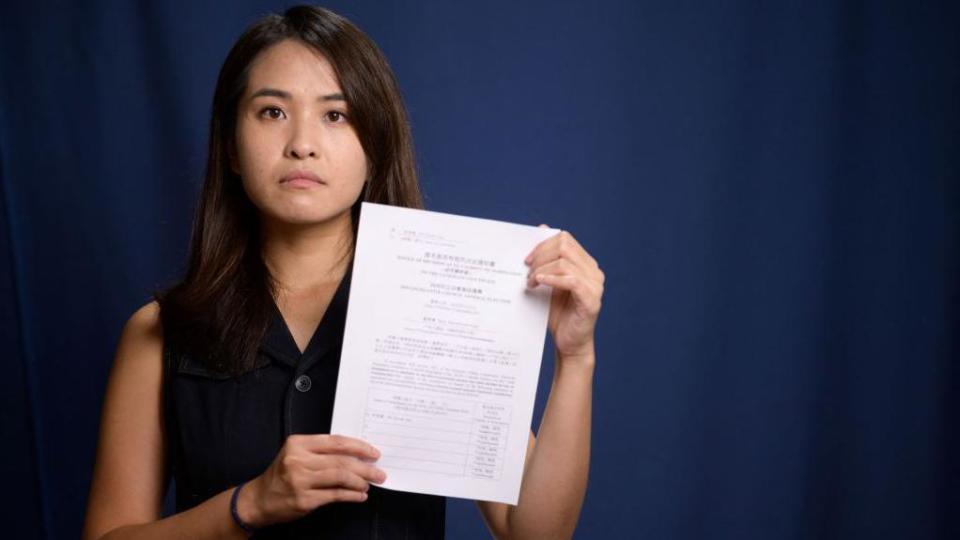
301, 145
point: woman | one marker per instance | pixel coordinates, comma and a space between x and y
226, 381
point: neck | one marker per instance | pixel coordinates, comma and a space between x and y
303, 257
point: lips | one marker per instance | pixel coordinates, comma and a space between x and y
299, 177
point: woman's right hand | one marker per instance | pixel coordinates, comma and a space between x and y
309, 471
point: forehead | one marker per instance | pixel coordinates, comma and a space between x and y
295, 67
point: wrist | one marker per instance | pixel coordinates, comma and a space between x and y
575, 366
585, 356
247, 506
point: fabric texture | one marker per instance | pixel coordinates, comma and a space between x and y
224, 430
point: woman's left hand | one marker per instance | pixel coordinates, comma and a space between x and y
562, 263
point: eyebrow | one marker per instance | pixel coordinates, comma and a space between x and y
282, 94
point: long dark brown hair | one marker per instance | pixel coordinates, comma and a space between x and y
223, 306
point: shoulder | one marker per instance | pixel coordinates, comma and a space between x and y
146, 318
141, 342
128, 478
144, 324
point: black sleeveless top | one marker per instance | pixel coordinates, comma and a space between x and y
223, 430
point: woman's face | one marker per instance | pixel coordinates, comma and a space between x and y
296, 151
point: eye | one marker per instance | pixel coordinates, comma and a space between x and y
336, 116
273, 113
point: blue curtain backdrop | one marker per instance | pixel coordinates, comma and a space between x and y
771, 188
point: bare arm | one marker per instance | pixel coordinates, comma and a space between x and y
557, 465
558, 462
129, 480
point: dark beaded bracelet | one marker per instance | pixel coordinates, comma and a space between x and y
235, 514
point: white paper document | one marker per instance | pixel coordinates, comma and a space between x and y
441, 350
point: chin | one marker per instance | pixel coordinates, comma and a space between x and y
302, 218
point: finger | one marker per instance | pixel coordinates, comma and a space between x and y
585, 294
556, 266
566, 267
562, 245
336, 478
363, 469
328, 496
567, 240
532, 252
560, 250
318, 462
336, 444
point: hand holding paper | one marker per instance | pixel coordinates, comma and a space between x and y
562, 263
442, 348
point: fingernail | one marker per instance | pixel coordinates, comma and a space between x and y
363, 496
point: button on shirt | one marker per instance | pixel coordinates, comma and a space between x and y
303, 383
223, 430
